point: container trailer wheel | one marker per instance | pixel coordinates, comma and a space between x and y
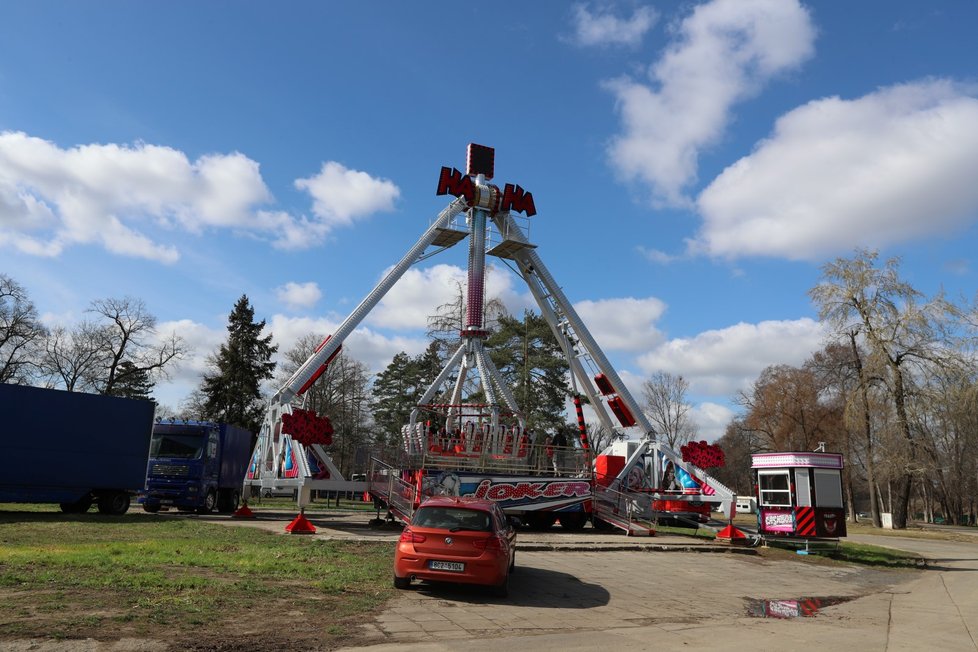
115, 503
78, 507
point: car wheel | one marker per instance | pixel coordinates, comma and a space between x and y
402, 583
502, 590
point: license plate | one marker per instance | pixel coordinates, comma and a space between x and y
454, 566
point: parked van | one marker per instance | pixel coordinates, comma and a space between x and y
746, 505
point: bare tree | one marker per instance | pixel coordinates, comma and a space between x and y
449, 319
21, 333
600, 437
341, 394
667, 408
128, 334
903, 331
72, 357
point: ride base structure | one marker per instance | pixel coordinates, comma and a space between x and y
467, 435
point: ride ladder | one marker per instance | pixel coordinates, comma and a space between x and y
626, 511
386, 485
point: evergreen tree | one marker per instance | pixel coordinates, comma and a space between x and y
232, 392
529, 358
399, 387
132, 382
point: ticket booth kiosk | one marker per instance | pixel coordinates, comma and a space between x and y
799, 494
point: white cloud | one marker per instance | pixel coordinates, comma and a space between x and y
725, 52
626, 324
110, 195
892, 166
725, 361
369, 347
341, 195
657, 256
711, 420
299, 295
603, 28
418, 294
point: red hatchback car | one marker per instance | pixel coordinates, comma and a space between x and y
461, 540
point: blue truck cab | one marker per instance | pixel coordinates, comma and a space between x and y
196, 466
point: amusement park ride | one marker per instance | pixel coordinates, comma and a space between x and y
468, 435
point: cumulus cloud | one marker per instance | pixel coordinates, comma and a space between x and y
892, 166
601, 27
341, 195
724, 361
710, 420
657, 256
299, 295
724, 53
370, 347
626, 324
111, 195
419, 293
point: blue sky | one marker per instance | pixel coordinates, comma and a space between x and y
693, 164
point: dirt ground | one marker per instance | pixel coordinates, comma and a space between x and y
302, 622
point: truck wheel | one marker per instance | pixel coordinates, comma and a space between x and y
152, 509
210, 502
600, 525
541, 520
228, 500
78, 507
114, 504
573, 521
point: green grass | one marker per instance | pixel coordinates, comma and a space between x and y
85, 575
867, 555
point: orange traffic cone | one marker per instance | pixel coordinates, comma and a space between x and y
732, 535
300, 525
243, 511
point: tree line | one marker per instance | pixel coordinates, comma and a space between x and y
116, 349
894, 389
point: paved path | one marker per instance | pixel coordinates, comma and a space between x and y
655, 600
939, 610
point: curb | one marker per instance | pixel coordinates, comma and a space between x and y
614, 547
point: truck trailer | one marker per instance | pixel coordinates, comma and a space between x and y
73, 449
196, 466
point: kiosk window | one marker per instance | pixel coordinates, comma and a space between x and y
828, 488
775, 489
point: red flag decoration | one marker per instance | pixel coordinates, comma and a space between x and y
703, 455
307, 428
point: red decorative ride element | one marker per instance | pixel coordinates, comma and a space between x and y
703, 455
307, 428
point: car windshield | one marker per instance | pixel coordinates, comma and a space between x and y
453, 518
